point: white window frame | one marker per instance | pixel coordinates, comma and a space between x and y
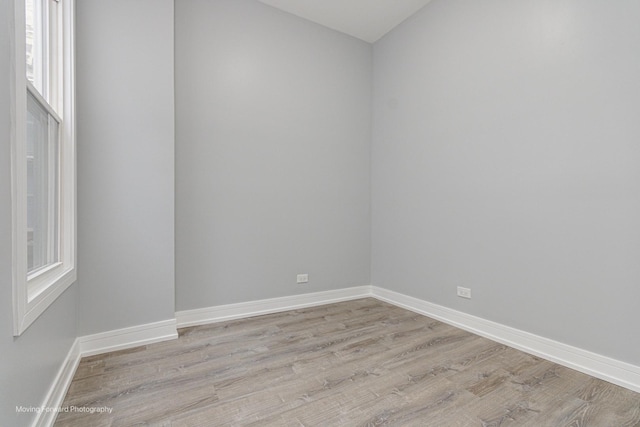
33, 293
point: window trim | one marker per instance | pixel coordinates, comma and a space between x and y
33, 294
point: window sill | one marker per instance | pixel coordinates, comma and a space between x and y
39, 299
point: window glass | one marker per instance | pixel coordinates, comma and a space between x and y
42, 186
36, 46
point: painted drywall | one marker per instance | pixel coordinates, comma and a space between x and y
273, 125
125, 163
29, 363
505, 158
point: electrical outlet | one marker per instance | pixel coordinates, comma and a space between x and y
303, 278
464, 292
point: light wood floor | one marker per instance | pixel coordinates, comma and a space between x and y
357, 363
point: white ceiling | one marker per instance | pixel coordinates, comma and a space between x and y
367, 20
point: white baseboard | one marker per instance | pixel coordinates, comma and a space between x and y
605, 368
58, 390
121, 339
241, 310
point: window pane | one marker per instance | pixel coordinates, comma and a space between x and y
42, 186
36, 44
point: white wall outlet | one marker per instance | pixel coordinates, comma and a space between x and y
303, 278
464, 292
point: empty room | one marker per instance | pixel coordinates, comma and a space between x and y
319, 213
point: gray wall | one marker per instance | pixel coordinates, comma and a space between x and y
125, 163
506, 159
29, 363
273, 125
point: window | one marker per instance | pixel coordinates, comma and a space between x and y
43, 162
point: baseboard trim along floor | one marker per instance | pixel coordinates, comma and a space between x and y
58, 390
596, 365
241, 310
121, 339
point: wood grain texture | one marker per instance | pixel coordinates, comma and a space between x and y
356, 363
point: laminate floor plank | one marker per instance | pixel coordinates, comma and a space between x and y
355, 363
